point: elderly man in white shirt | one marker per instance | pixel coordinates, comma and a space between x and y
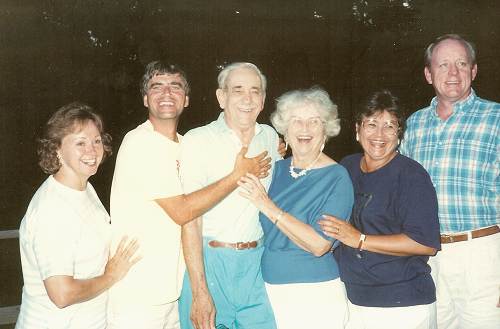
147, 202
224, 247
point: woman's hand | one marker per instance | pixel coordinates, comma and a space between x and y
123, 259
253, 190
340, 230
65, 290
389, 244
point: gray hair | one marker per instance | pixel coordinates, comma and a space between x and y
159, 68
315, 96
222, 77
469, 48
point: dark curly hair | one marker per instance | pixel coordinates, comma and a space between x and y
63, 122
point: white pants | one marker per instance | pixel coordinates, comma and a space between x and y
165, 316
409, 317
467, 277
320, 305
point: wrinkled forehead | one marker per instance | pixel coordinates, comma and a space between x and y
450, 47
303, 109
244, 77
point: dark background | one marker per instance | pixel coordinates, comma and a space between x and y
55, 52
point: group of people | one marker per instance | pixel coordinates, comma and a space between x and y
214, 229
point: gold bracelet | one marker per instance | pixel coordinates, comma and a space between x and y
278, 217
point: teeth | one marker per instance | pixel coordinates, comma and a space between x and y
378, 143
166, 103
89, 162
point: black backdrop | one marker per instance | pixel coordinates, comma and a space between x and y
53, 52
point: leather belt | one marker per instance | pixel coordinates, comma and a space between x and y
235, 245
450, 238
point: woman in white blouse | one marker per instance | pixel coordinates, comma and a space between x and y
64, 236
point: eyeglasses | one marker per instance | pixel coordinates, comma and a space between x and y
311, 123
389, 128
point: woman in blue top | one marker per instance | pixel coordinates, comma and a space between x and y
301, 275
393, 228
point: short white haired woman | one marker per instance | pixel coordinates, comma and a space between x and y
64, 236
302, 277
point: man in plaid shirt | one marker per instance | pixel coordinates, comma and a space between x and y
457, 139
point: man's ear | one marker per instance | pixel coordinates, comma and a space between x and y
474, 72
145, 100
186, 101
428, 75
221, 97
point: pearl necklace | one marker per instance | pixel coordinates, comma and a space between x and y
304, 171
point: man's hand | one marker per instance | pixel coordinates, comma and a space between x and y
203, 311
282, 147
258, 166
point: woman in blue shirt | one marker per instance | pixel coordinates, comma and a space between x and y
301, 275
393, 228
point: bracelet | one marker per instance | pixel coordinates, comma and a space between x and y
278, 217
362, 239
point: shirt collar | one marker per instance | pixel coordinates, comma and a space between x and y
149, 126
458, 106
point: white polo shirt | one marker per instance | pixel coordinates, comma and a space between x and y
147, 169
208, 154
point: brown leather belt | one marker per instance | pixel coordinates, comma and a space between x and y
450, 238
235, 245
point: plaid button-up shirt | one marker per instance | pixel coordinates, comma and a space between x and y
461, 155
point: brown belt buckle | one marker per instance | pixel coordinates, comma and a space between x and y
241, 245
447, 238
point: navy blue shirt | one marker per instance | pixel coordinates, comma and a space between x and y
326, 190
397, 198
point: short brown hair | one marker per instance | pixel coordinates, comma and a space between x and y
160, 68
63, 122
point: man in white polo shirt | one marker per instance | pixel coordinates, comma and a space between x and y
223, 248
147, 202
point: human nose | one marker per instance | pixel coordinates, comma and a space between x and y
91, 148
247, 97
453, 69
379, 130
166, 90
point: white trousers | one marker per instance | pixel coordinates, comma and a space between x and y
409, 317
320, 305
467, 277
165, 316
